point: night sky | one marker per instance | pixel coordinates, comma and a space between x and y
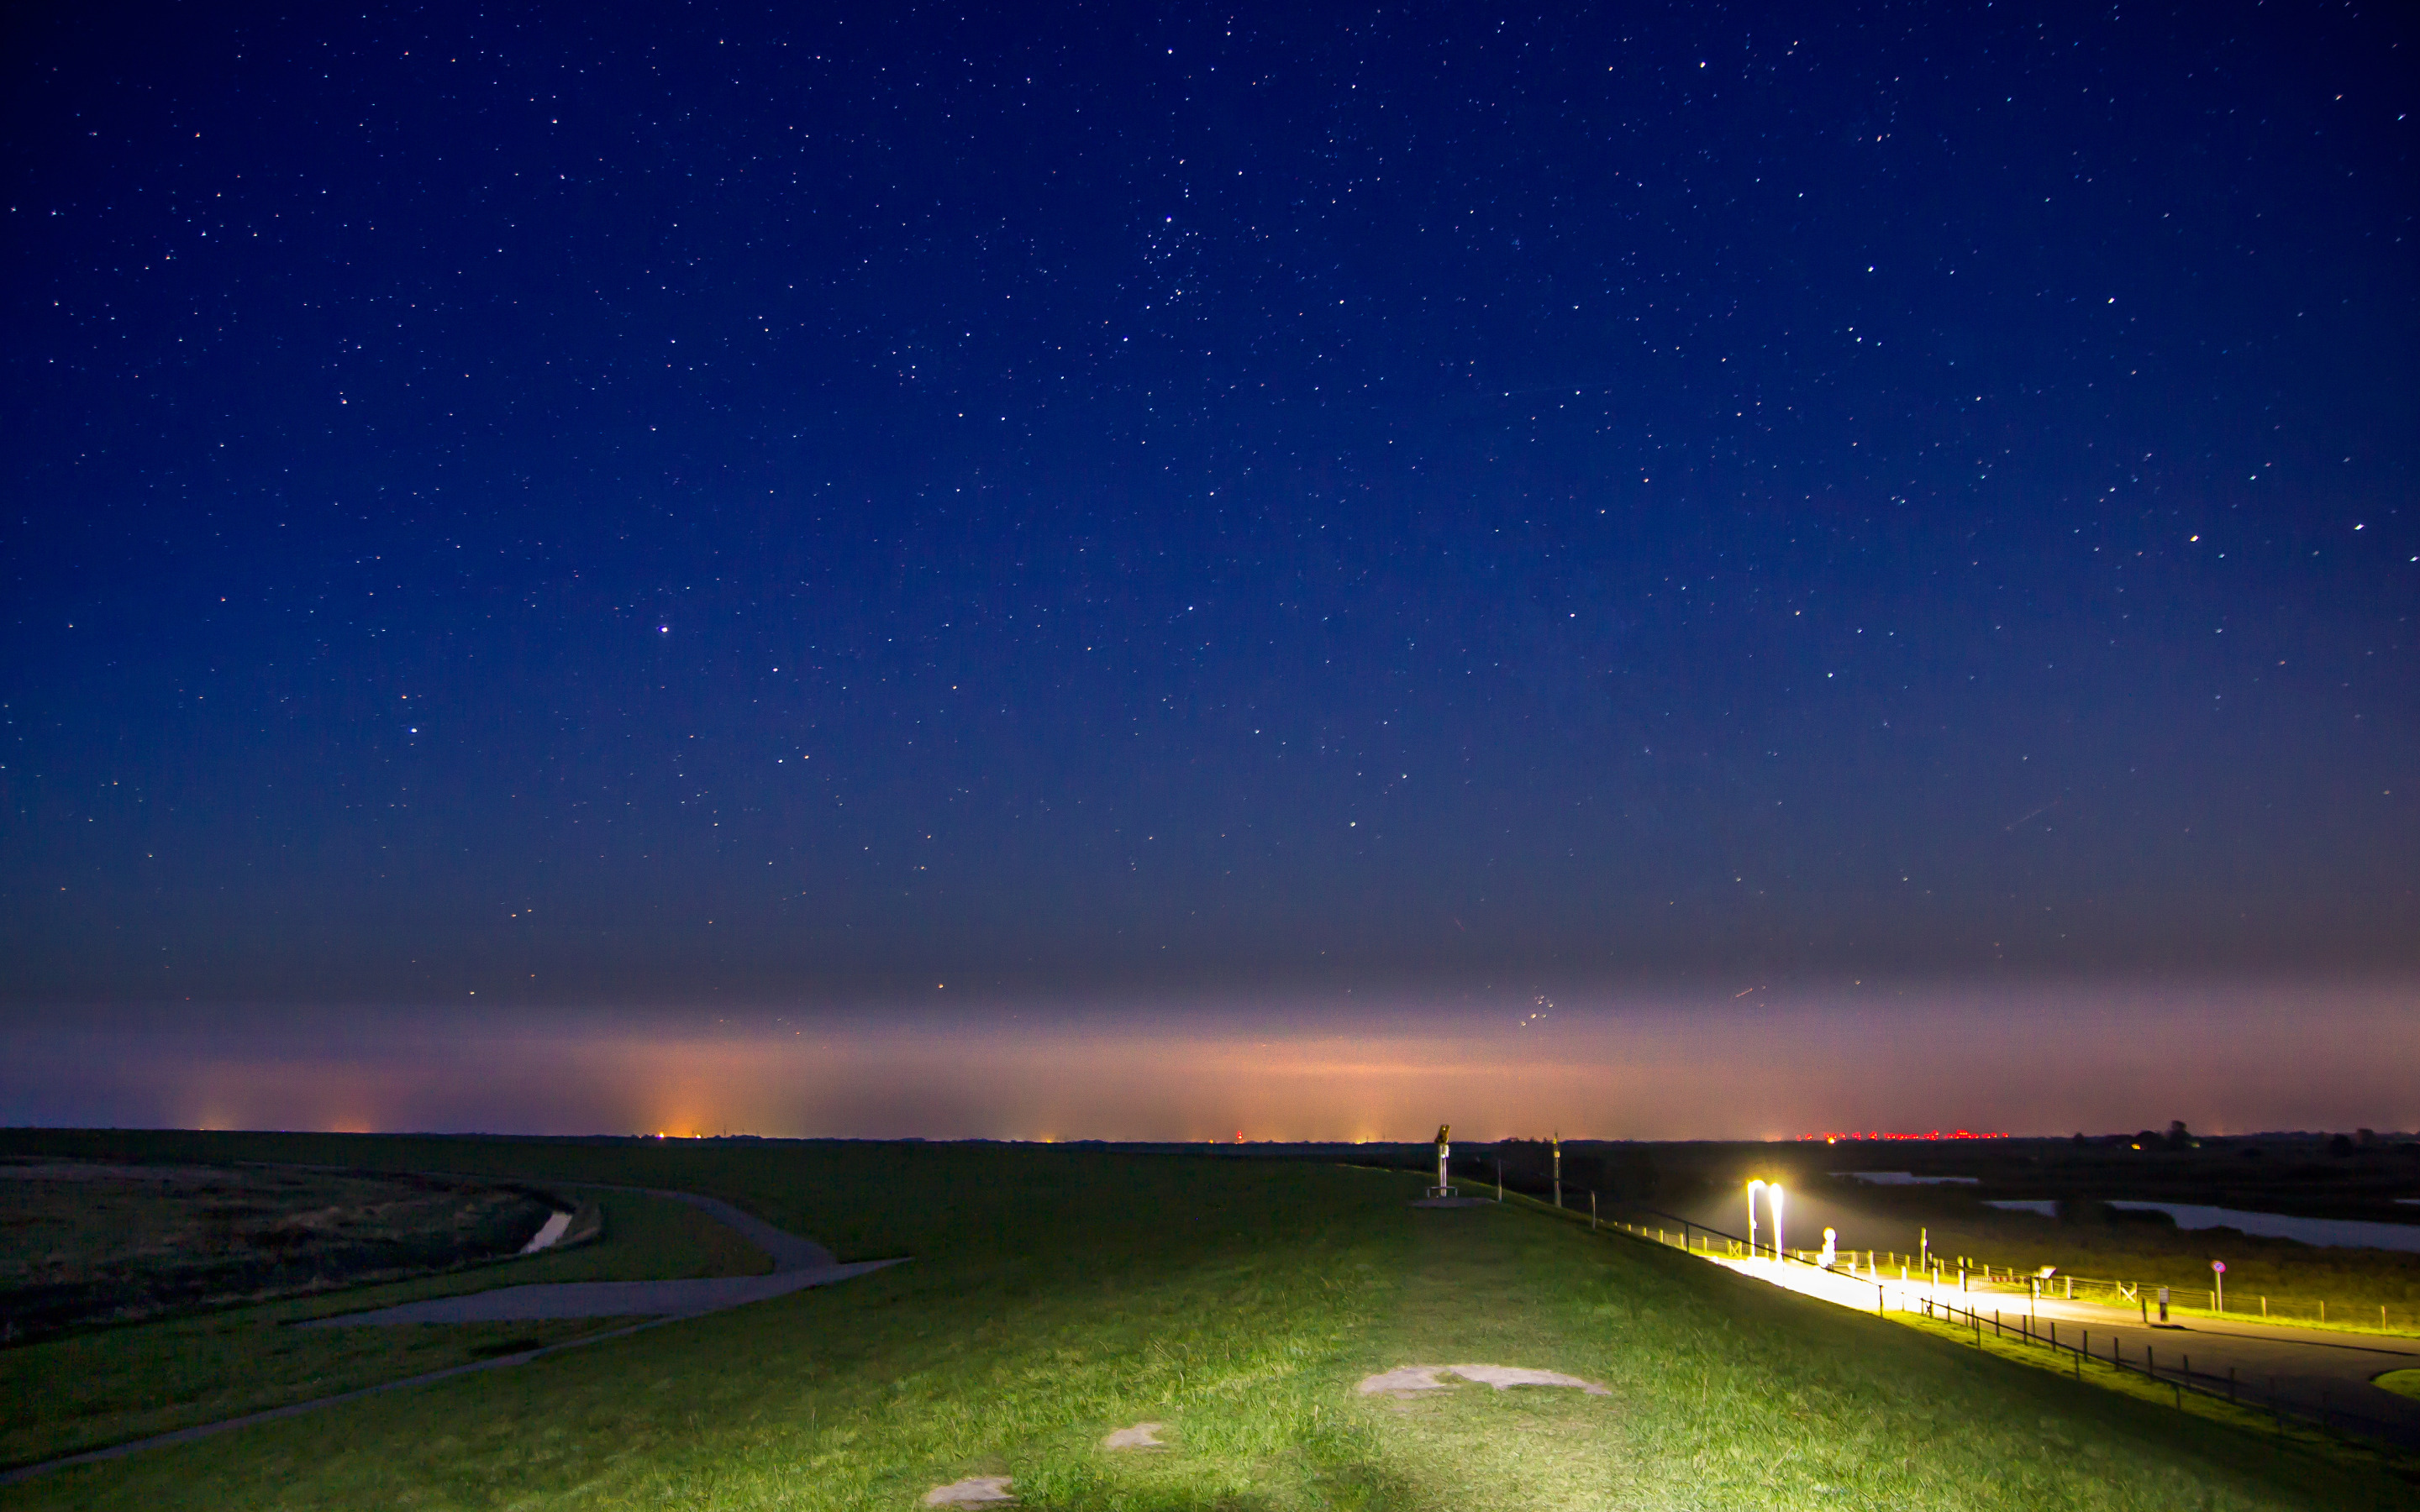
659, 507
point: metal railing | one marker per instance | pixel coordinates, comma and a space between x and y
2030, 1332
2024, 1329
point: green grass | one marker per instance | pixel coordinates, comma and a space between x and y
115, 1245
105, 1386
1059, 1294
2401, 1382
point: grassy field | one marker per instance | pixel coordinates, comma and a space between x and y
89, 1243
1058, 1294
101, 1386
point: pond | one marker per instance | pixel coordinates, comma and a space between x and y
2337, 1232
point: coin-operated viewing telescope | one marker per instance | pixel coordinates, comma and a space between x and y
1445, 1154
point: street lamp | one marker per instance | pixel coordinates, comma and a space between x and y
1752, 1188
1774, 1197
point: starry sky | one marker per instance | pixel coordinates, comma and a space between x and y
635, 507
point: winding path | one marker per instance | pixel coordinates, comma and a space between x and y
798, 1263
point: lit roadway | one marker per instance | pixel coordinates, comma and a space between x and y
2315, 1371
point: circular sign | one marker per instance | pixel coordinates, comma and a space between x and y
2220, 1266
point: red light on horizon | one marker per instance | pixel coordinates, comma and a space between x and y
1834, 1137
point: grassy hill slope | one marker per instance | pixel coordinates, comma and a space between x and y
1058, 1294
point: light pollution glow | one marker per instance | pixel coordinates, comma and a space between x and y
2035, 1059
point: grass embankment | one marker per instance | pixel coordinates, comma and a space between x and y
103, 1386
1061, 1294
87, 1244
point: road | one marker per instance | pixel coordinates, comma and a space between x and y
2313, 1373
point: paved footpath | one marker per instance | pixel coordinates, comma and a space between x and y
2310, 1372
798, 1263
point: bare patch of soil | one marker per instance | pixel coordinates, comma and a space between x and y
975, 1490
1406, 1379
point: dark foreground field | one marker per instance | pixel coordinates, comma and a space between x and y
84, 1243
1058, 1294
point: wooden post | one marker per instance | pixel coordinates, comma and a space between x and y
1592, 1212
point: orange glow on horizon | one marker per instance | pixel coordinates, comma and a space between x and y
2231, 1057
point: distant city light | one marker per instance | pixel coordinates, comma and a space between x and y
1834, 1137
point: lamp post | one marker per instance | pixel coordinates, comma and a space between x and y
1772, 1196
1559, 1168
1752, 1189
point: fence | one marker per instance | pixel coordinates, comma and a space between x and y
2025, 1330
1736, 1248
1976, 1275
2203, 1299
